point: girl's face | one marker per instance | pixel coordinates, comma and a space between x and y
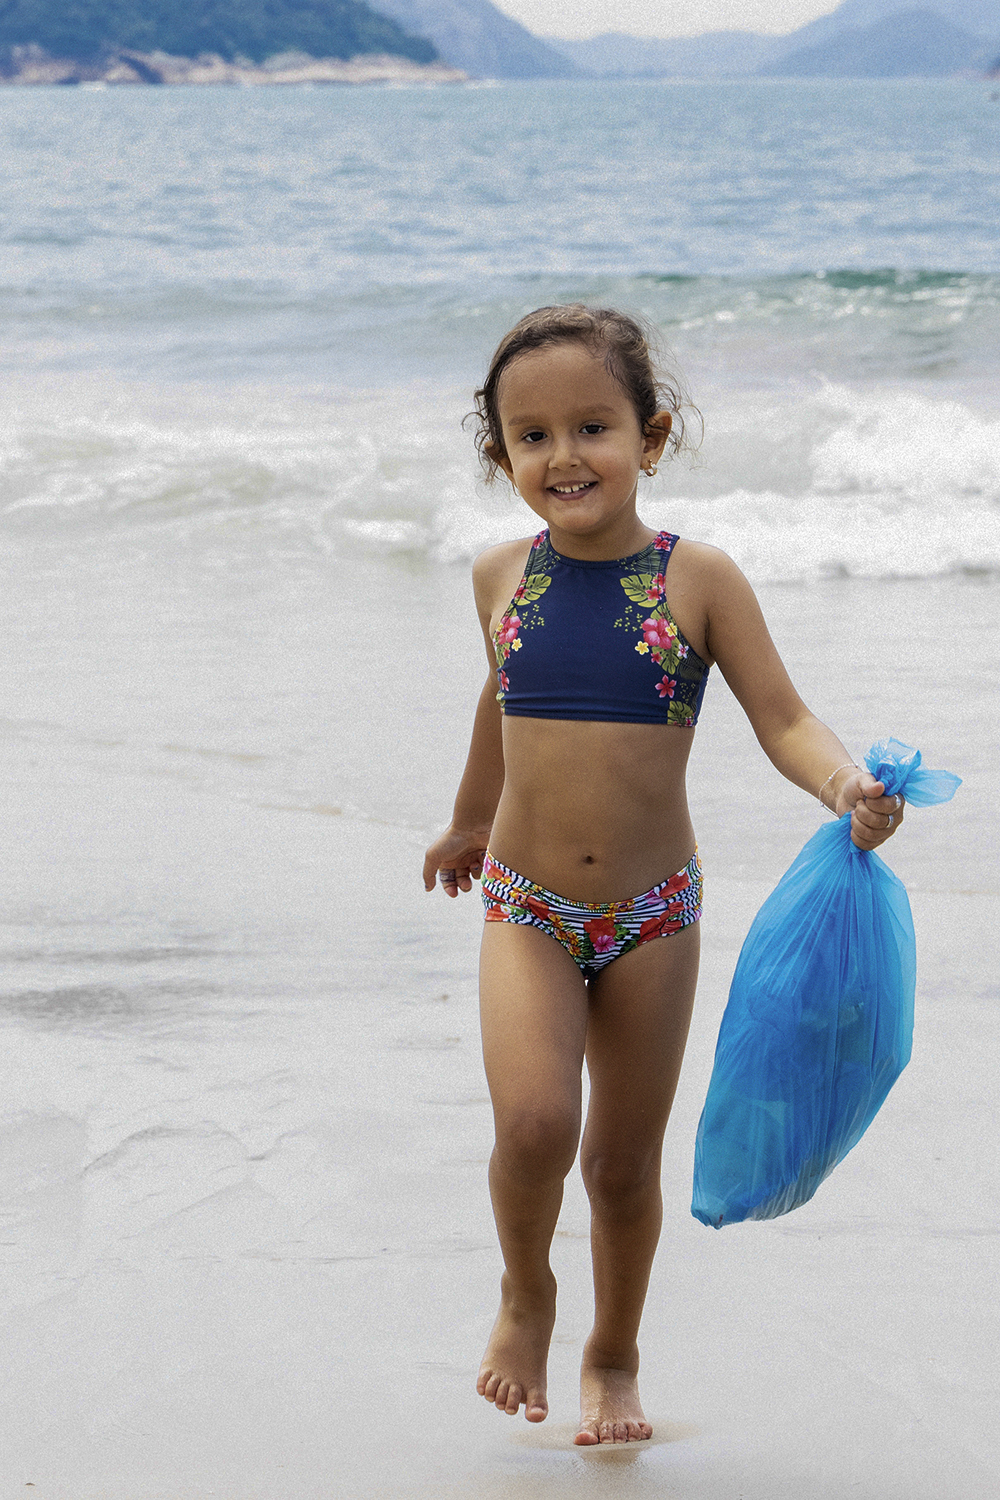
573, 440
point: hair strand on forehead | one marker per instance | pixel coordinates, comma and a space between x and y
623, 343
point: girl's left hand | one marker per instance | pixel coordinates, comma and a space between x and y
874, 816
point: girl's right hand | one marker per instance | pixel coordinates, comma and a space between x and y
456, 858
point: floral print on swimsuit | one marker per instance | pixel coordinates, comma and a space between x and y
576, 624
593, 934
506, 637
661, 639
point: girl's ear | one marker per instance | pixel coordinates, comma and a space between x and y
655, 435
496, 454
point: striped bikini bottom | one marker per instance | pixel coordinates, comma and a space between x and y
594, 934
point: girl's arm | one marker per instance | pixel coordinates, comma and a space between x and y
801, 747
458, 853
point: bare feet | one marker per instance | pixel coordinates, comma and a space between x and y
513, 1369
610, 1410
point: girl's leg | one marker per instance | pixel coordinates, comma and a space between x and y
639, 1016
533, 1004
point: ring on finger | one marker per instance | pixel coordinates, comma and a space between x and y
890, 822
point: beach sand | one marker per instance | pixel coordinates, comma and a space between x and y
247, 1244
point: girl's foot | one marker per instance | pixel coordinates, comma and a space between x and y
512, 1373
610, 1410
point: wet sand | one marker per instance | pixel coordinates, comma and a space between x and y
247, 1244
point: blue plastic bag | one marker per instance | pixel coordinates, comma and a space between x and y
819, 1022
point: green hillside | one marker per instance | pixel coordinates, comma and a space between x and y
256, 29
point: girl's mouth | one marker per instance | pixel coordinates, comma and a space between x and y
572, 489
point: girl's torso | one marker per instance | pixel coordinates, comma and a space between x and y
601, 682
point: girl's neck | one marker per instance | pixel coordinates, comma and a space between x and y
626, 536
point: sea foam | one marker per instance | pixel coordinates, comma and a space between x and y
831, 480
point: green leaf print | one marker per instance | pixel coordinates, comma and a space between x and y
669, 660
637, 587
534, 587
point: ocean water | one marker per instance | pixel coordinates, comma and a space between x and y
244, 1122
268, 312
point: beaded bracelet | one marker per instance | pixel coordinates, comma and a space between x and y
819, 794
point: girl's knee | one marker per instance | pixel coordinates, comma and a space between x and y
538, 1142
621, 1180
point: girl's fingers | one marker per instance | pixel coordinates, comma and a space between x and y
884, 807
876, 819
455, 878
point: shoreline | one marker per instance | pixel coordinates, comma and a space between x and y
125, 67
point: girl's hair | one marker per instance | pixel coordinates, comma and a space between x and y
623, 343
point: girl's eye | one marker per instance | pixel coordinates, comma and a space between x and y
593, 428
533, 437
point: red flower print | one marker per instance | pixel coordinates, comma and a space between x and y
655, 591
656, 927
504, 683
601, 931
657, 634
538, 908
674, 884
508, 630
666, 687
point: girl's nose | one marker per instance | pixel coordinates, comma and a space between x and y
564, 453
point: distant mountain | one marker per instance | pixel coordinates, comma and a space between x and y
912, 43
478, 38
254, 29
981, 17
717, 54
861, 38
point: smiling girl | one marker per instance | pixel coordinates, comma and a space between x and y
599, 634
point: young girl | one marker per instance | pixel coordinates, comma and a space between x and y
599, 635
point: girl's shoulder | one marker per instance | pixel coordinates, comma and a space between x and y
497, 571
703, 585
702, 557
500, 555
706, 573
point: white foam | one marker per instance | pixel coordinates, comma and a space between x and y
903, 443
880, 483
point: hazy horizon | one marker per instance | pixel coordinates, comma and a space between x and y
652, 18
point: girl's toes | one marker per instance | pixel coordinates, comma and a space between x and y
536, 1408
490, 1383
513, 1400
500, 1398
588, 1435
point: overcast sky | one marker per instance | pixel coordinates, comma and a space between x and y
582, 18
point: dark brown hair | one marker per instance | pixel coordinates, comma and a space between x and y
621, 341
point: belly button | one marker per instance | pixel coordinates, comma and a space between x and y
588, 859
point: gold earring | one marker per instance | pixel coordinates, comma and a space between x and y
653, 469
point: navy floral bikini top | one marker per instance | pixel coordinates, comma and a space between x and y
596, 641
